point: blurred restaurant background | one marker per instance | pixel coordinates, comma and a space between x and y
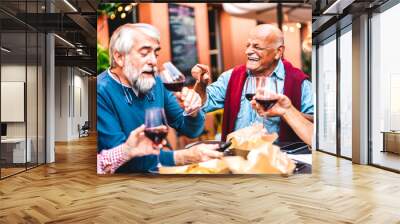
213, 34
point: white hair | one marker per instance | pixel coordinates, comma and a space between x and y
123, 38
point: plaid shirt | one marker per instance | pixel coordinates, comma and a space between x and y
108, 161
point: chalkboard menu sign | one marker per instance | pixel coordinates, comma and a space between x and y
183, 37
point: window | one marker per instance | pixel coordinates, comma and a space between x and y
327, 95
346, 92
385, 89
22, 89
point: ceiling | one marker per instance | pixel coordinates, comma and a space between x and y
329, 15
72, 20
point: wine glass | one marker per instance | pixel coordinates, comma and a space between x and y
155, 124
265, 87
172, 78
250, 88
156, 127
250, 92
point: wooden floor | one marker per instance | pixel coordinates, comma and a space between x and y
387, 159
10, 171
69, 191
5, 172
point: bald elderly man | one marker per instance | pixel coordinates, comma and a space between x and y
264, 50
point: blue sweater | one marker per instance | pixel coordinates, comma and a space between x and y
116, 119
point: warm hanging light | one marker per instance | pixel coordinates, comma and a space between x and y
128, 8
123, 15
298, 25
120, 8
112, 16
285, 28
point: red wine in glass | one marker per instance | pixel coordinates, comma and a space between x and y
172, 78
266, 103
155, 124
265, 88
155, 134
174, 86
250, 88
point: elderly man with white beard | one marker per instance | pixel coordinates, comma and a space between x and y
129, 87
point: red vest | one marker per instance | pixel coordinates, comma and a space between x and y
294, 77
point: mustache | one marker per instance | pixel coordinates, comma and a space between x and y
149, 70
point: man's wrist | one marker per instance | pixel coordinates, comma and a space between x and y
128, 151
287, 112
179, 157
201, 89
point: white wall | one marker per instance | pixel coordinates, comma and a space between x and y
61, 103
80, 100
71, 93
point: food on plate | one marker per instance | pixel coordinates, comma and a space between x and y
254, 153
271, 161
251, 137
214, 166
257, 153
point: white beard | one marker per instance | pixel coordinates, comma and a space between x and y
141, 83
